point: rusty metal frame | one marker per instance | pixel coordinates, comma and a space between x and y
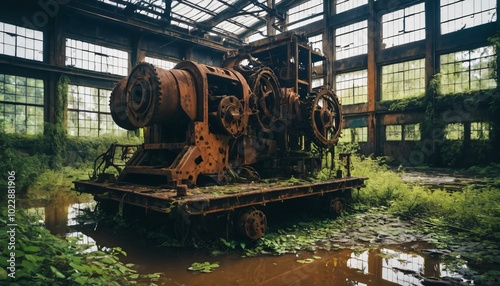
207, 200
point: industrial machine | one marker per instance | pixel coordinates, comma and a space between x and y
256, 115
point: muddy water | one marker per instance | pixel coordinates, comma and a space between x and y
389, 265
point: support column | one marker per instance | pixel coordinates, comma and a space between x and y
54, 47
432, 28
374, 28
329, 43
271, 31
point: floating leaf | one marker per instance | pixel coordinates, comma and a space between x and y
204, 267
305, 261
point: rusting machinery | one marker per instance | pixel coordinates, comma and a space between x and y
202, 123
256, 116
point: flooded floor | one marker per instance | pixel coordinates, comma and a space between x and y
388, 265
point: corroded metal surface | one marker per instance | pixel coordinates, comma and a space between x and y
257, 116
206, 200
206, 124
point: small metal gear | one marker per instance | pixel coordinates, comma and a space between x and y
230, 113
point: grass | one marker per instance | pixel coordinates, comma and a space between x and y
474, 208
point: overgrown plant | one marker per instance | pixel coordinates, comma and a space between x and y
43, 259
55, 133
474, 208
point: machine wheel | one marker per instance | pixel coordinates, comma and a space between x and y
336, 205
266, 88
253, 224
326, 119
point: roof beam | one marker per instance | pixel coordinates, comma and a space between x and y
282, 6
231, 11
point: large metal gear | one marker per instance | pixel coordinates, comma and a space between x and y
154, 95
118, 105
265, 87
326, 119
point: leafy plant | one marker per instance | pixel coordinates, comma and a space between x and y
204, 267
48, 260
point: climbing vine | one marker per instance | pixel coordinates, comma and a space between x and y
494, 108
55, 133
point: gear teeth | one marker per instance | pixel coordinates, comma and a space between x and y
311, 130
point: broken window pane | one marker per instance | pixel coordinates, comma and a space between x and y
96, 58
344, 5
463, 14
21, 42
403, 26
351, 40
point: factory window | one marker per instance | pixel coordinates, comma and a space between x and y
355, 134
468, 70
164, 64
411, 132
259, 35
88, 112
454, 131
462, 14
316, 43
403, 26
344, 5
21, 42
403, 80
96, 58
317, 82
393, 132
21, 104
346, 136
479, 131
352, 87
305, 13
351, 40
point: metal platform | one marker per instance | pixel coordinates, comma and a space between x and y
213, 199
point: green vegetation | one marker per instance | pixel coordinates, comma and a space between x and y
204, 267
407, 103
43, 259
475, 208
44, 166
55, 136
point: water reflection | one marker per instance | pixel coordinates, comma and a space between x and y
390, 265
59, 214
397, 265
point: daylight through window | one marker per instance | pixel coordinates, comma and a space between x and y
21, 104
